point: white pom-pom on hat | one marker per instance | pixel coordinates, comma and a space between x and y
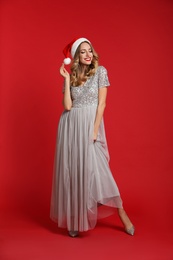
71, 49
67, 61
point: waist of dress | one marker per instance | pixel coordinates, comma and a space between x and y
79, 106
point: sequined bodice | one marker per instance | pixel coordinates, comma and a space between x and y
87, 94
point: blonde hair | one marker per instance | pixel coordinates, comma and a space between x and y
76, 68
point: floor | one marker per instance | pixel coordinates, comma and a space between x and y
30, 237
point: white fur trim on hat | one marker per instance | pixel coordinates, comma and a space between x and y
76, 44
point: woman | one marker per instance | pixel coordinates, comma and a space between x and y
82, 178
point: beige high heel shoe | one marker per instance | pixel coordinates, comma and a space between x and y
73, 233
130, 231
125, 220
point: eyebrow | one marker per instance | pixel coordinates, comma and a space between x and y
85, 49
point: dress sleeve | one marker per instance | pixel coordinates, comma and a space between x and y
103, 80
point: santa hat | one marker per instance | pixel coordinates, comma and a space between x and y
71, 49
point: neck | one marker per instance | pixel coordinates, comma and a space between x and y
83, 69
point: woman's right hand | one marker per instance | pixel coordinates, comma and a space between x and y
64, 72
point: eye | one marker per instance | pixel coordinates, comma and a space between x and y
82, 52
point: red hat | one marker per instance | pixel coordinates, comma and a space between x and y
71, 49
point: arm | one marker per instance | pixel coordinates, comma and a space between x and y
100, 110
67, 102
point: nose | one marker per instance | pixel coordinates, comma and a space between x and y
88, 54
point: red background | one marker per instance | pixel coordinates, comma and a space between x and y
134, 40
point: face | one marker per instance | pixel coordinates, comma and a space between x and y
85, 54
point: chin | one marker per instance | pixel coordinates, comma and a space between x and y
88, 63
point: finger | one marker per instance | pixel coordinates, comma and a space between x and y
65, 71
62, 66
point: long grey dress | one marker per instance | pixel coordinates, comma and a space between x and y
82, 178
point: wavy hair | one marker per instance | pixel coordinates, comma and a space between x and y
76, 68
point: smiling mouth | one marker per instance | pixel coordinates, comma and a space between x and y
88, 59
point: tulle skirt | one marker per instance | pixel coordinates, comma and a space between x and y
82, 179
